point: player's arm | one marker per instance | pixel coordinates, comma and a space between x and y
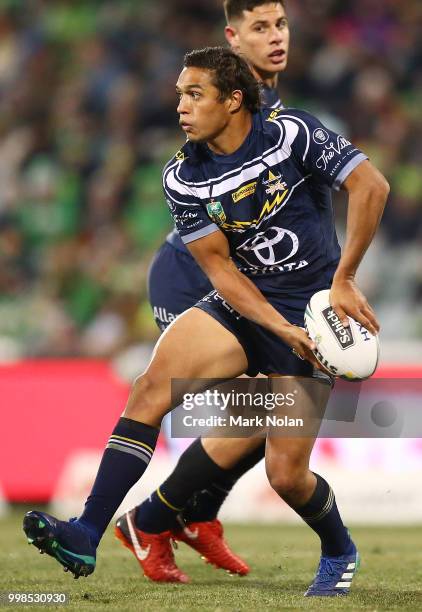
367, 190
335, 161
213, 255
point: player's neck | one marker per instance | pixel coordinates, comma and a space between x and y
269, 79
233, 135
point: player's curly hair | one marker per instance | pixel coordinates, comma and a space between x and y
235, 8
230, 72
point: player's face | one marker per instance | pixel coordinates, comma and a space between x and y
262, 36
202, 115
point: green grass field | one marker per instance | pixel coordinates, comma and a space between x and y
283, 560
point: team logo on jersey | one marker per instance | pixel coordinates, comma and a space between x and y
180, 156
274, 183
216, 212
320, 136
271, 247
244, 192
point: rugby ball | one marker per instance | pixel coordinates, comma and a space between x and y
348, 352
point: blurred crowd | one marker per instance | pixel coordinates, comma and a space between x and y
87, 119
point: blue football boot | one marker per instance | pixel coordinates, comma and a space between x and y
334, 575
69, 542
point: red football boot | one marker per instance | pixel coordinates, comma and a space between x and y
207, 538
152, 550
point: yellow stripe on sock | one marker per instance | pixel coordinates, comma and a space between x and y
133, 442
167, 503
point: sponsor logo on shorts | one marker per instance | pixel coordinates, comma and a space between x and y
162, 317
244, 192
215, 296
343, 335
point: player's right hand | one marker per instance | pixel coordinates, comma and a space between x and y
347, 299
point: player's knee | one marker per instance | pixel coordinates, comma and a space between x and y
286, 477
143, 403
143, 382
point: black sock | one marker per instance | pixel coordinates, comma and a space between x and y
204, 505
125, 459
194, 470
322, 515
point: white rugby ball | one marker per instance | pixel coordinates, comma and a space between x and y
348, 352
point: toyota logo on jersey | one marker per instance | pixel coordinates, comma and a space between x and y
271, 247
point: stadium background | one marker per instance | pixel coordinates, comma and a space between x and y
87, 119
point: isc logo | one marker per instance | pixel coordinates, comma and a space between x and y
342, 334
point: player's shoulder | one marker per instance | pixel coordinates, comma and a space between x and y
286, 114
179, 158
298, 127
182, 174
184, 163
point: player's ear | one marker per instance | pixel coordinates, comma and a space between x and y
232, 37
235, 101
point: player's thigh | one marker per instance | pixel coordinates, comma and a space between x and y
304, 409
197, 346
193, 347
227, 452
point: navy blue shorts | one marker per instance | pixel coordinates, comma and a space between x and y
175, 283
266, 352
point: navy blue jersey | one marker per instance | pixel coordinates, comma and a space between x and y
270, 99
271, 197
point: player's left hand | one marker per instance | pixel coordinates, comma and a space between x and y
302, 345
347, 299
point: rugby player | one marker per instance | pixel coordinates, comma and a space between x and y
186, 505
252, 320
